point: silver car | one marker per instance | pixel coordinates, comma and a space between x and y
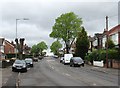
19, 65
29, 62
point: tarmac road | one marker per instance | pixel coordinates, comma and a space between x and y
49, 72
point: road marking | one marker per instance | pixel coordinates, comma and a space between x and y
50, 60
94, 84
57, 70
66, 74
76, 68
28, 68
52, 67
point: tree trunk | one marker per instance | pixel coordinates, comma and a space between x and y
67, 48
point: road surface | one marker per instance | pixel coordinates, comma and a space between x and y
49, 72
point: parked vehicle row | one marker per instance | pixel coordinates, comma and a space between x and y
72, 61
22, 65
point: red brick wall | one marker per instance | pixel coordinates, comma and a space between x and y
116, 64
8, 48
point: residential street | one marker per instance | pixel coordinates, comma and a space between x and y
49, 72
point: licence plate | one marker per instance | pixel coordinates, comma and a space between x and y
79, 63
18, 68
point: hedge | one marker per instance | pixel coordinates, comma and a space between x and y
9, 56
101, 55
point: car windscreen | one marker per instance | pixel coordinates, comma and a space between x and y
78, 59
28, 60
18, 62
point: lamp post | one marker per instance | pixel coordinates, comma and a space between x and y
17, 35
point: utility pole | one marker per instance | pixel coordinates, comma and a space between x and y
107, 41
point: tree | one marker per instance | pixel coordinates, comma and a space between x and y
34, 50
55, 47
66, 28
82, 44
110, 44
42, 46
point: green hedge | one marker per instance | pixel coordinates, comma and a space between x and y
9, 56
101, 55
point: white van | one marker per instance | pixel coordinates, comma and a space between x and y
67, 58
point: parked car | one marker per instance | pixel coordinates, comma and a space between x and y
76, 61
61, 59
67, 58
29, 62
35, 59
19, 65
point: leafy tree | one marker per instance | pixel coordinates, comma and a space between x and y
82, 44
110, 44
34, 50
55, 47
66, 28
42, 46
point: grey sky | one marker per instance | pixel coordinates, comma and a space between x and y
42, 14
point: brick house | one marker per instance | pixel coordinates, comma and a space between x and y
98, 41
26, 49
9, 48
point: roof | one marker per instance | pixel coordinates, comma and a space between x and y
9, 43
114, 30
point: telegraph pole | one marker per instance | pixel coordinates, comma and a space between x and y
107, 41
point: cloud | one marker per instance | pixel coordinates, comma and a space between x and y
42, 15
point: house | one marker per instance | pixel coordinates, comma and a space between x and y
99, 39
9, 47
26, 49
2, 56
6, 47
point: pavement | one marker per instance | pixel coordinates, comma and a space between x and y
0, 77
105, 70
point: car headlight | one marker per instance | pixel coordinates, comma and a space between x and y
30, 62
13, 65
24, 66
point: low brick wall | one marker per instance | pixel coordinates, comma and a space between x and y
115, 64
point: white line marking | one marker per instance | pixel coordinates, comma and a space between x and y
52, 67
50, 60
94, 84
66, 74
57, 70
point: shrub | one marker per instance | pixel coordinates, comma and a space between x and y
101, 55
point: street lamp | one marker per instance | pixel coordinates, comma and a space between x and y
16, 32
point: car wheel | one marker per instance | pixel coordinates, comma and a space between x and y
70, 65
13, 70
25, 70
83, 65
